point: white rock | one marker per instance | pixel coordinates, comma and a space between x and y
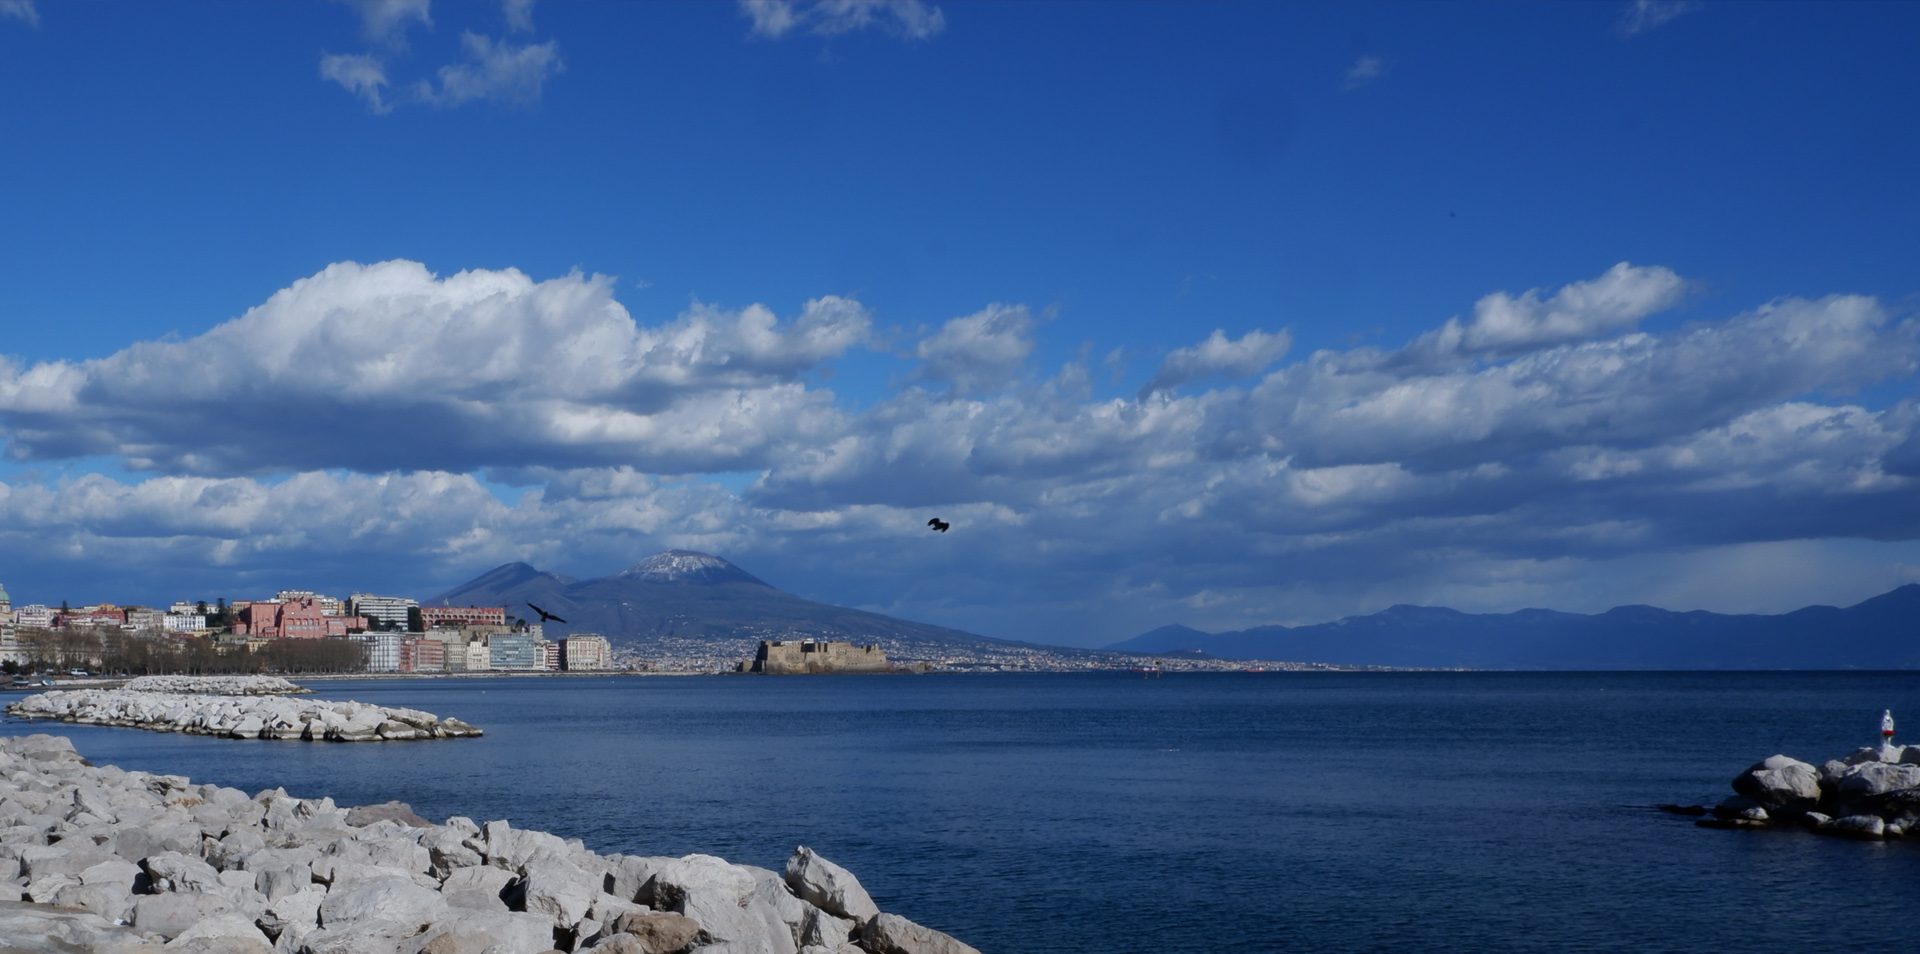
828, 886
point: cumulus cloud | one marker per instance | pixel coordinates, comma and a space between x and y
22, 10
1218, 356
910, 19
1505, 324
1643, 15
1554, 440
478, 368
981, 351
495, 70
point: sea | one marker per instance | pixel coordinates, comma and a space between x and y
1110, 813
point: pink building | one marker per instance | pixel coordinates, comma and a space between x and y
422, 655
293, 619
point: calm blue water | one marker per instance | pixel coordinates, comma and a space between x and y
1297, 812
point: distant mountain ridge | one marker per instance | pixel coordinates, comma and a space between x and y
1879, 633
686, 595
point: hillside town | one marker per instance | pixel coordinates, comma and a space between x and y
295, 630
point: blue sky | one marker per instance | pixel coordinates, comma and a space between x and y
377, 296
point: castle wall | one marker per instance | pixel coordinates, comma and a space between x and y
792, 657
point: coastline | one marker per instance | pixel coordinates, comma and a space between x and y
129, 862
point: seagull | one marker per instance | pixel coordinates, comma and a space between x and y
939, 524
546, 616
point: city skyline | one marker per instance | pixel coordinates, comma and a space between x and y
1220, 315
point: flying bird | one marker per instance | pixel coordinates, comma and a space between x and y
545, 616
939, 524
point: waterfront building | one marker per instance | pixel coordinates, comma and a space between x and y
517, 651
455, 617
391, 610
585, 652
550, 651
383, 651
477, 657
794, 657
421, 654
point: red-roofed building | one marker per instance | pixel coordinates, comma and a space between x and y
293, 619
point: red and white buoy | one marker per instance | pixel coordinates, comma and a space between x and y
1886, 728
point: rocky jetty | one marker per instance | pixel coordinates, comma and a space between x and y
103, 860
216, 685
240, 717
1873, 793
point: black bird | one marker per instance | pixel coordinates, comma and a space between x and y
936, 523
546, 616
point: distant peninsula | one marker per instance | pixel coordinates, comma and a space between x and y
1879, 633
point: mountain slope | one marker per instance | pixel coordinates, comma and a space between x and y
1879, 633
687, 596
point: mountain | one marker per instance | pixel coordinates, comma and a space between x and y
684, 598
1880, 633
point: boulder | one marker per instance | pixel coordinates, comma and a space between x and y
401, 812
1855, 826
705, 873
1781, 784
401, 902
558, 889
487, 932
1740, 808
893, 934
477, 888
1876, 778
235, 934
828, 886
171, 914
657, 933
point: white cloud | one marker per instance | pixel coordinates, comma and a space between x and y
497, 71
910, 19
1336, 483
22, 10
386, 21
481, 368
519, 14
1505, 324
1643, 15
1250, 355
981, 351
1365, 70
360, 74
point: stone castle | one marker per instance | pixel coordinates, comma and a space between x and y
790, 657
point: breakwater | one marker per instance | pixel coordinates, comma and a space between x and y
139, 861
217, 685
240, 716
1873, 793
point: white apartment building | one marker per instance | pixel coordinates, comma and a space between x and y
33, 614
586, 651
184, 622
391, 610
383, 651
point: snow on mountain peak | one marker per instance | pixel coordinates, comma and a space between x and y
687, 566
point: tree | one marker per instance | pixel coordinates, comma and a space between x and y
416, 623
